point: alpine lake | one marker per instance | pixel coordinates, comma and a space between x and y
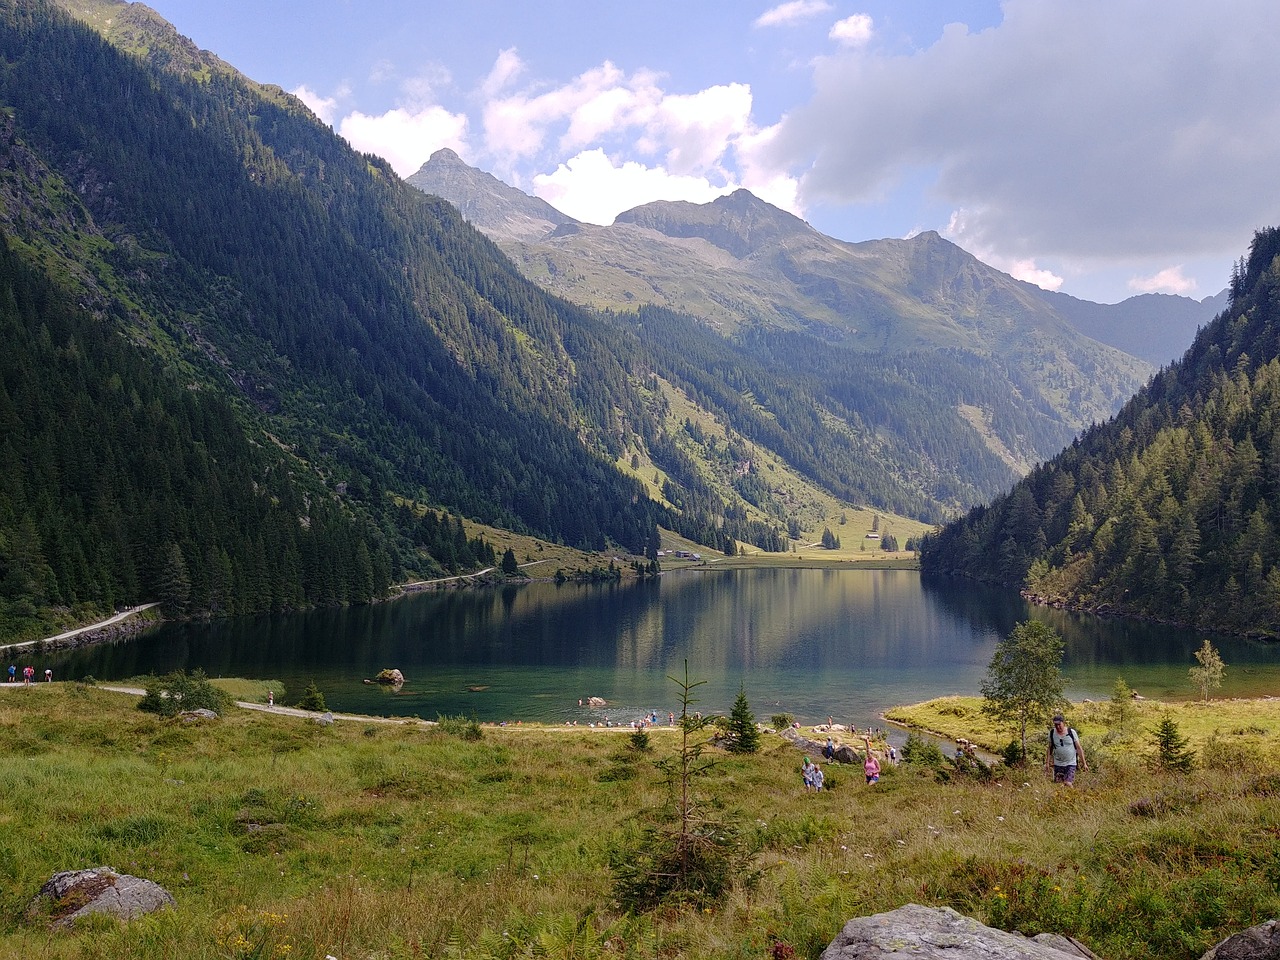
844, 644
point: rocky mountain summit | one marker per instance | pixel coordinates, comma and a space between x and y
501, 211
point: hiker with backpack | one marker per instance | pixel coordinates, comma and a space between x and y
1064, 753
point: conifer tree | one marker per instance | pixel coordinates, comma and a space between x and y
742, 736
1172, 753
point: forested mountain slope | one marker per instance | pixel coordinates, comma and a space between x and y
360, 338
1169, 510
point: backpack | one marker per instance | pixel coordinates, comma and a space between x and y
1071, 732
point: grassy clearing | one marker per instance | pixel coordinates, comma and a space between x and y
279, 837
1234, 727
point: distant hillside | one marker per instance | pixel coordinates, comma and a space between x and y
1155, 327
1168, 511
906, 315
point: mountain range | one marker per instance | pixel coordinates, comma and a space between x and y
248, 368
739, 260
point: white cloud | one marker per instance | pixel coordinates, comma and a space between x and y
592, 188
1168, 280
959, 231
1071, 133
792, 12
406, 139
854, 31
506, 68
326, 108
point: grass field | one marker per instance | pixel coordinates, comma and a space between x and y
280, 837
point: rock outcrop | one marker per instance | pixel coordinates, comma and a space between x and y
939, 933
72, 894
1257, 943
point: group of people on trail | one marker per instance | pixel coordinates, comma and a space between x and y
814, 779
28, 674
1063, 757
812, 775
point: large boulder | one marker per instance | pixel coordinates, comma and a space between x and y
939, 933
72, 894
844, 752
1257, 943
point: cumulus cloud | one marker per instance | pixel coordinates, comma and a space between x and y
626, 131
505, 69
960, 232
406, 139
326, 108
1069, 132
1169, 280
593, 188
854, 31
794, 11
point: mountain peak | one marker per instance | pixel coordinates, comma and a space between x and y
739, 222
442, 156
498, 209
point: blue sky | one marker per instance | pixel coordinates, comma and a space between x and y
1099, 148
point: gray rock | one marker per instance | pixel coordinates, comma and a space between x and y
325, 719
939, 933
72, 894
200, 713
1257, 943
844, 752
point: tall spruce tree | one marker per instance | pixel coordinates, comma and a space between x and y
743, 736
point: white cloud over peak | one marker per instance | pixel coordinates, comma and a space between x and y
1169, 280
593, 188
506, 68
326, 108
854, 31
406, 139
1070, 132
794, 11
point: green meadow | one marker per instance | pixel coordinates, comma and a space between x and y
281, 837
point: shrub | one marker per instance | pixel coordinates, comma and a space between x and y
917, 750
312, 699
178, 691
1013, 754
468, 728
781, 721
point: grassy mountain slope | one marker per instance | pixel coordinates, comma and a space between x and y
1168, 510
900, 316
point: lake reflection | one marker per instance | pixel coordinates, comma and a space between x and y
813, 643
